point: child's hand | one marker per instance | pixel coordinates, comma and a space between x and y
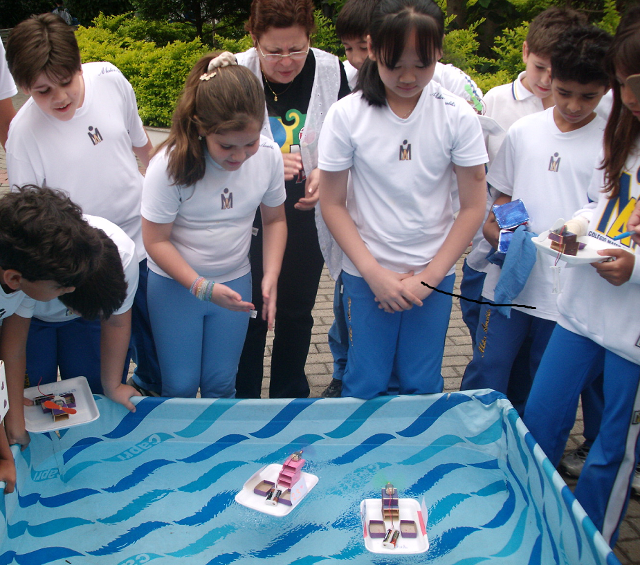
491, 230
8, 474
634, 223
390, 292
312, 194
616, 272
16, 434
228, 298
292, 165
122, 394
269, 296
414, 285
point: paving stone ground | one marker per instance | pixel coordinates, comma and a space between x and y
457, 355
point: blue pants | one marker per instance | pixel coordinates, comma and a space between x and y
498, 341
570, 363
339, 333
471, 287
409, 343
198, 343
73, 347
142, 348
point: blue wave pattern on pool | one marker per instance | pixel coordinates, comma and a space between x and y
159, 484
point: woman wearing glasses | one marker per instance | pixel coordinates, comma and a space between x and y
300, 84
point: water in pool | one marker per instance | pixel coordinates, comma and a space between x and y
159, 485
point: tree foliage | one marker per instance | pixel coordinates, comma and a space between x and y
230, 13
157, 54
157, 73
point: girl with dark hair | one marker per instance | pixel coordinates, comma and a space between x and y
599, 330
300, 83
401, 136
199, 200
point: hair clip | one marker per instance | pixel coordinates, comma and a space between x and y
223, 60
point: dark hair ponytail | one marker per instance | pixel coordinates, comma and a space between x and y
623, 129
391, 23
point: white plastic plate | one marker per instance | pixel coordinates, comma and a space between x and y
371, 509
587, 255
86, 410
490, 126
250, 499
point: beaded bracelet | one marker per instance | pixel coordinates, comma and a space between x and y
202, 289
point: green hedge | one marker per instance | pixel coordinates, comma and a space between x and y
156, 57
157, 74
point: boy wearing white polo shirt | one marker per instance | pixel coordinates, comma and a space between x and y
529, 93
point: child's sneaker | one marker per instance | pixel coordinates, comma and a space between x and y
334, 390
573, 461
142, 391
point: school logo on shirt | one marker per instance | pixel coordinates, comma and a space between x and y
227, 199
554, 162
94, 135
618, 210
405, 151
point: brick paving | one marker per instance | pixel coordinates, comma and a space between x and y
457, 355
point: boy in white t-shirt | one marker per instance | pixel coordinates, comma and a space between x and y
7, 90
46, 251
81, 130
547, 160
60, 340
529, 93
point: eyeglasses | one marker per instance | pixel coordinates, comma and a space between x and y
276, 57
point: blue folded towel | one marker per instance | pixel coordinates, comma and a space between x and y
520, 259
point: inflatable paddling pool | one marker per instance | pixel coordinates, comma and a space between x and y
159, 486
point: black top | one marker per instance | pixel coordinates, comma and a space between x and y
287, 116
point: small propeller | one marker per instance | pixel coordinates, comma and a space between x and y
53, 406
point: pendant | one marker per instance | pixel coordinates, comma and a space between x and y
275, 97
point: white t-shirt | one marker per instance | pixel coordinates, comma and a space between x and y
7, 86
90, 156
16, 302
56, 311
550, 171
212, 219
456, 81
506, 104
588, 304
401, 201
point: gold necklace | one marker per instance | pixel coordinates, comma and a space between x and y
275, 96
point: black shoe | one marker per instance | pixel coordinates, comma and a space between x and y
142, 391
334, 390
573, 461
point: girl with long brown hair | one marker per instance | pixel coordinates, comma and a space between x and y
199, 200
599, 328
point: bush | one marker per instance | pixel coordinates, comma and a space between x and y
233, 45
156, 74
325, 37
160, 33
508, 48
